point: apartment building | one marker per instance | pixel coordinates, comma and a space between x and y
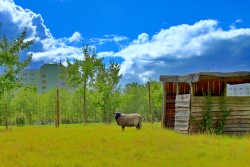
45, 78
238, 90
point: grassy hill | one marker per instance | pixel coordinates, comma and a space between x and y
106, 145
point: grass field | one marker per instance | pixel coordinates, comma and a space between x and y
106, 145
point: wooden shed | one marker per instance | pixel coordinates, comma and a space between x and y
184, 100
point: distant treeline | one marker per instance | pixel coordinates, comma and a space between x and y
25, 106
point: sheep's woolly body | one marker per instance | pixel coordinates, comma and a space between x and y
128, 120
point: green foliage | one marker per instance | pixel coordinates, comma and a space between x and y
102, 102
20, 119
134, 98
224, 112
25, 100
7, 113
106, 84
79, 74
156, 99
96, 83
206, 123
10, 60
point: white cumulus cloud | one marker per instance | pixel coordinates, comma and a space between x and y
46, 48
76, 37
108, 38
186, 48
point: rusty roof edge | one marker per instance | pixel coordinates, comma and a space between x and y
194, 77
226, 74
180, 78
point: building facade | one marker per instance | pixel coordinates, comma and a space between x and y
238, 90
44, 79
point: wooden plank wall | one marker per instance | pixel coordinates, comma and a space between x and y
238, 121
182, 112
170, 111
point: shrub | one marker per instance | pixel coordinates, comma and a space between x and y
224, 112
206, 123
20, 119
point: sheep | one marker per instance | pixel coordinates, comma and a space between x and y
128, 120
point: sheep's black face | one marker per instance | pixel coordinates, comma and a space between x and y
117, 115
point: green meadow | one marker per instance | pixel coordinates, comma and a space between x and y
106, 145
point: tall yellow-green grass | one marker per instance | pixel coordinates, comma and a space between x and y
106, 145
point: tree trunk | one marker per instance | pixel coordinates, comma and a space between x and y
6, 116
84, 105
106, 105
106, 115
30, 117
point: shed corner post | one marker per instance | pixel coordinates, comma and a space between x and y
191, 85
177, 88
225, 88
192, 93
164, 105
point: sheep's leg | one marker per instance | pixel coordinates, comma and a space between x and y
123, 128
138, 127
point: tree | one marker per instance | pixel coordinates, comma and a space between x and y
156, 99
25, 102
47, 107
10, 61
80, 72
106, 84
6, 110
135, 99
65, 98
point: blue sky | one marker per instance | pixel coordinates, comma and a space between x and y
148, 38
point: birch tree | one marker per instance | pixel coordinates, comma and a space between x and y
79, 74
10, 61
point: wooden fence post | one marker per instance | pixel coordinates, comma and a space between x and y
149, 101
57, 109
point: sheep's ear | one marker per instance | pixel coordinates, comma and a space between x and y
117, 115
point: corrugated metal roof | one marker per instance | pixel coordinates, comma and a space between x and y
195, 77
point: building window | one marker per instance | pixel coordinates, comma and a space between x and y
25, 74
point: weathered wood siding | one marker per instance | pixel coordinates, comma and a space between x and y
170, 111
182, 112
238, 121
